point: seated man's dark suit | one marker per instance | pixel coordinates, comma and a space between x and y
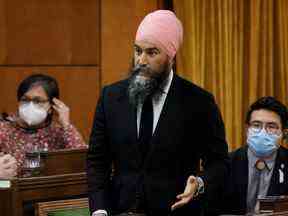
235, 202
189, 128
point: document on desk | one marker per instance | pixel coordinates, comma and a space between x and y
5, 183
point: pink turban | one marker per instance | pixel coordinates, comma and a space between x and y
163, 29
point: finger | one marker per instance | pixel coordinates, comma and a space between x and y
10, 165
179, 204
11, 157
59, 102
179, 196
58, 109
55, 100
183, 195
6, 158
15, 168
11, 173
187, 197
57, 105
191, 179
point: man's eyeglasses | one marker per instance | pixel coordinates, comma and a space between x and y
270, 127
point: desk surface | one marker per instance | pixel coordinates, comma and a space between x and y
64, 176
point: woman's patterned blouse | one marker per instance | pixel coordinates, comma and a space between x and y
17, 141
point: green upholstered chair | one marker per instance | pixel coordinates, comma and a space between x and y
70, 212
70, 207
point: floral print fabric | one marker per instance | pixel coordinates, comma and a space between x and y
17, 141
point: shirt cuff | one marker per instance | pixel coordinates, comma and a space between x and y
100, 212
200, 189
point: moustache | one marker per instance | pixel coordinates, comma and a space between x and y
140, 69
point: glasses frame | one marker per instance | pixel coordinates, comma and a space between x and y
271, 128
36, 101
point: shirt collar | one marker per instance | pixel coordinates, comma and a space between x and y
167, 85
268, 161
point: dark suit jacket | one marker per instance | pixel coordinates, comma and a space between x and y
235, 201
189, 128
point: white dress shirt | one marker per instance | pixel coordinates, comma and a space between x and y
157, 104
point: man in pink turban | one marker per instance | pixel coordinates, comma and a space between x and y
163, 29
154, 127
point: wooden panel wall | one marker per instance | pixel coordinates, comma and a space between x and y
50, 32
83, 44
119, 23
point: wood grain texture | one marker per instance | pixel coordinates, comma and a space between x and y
119, 22
50, 32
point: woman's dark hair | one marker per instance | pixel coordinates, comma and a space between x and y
271, 104
48, 83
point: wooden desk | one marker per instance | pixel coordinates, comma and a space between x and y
63, 176
6, 201
64, 162
274, 204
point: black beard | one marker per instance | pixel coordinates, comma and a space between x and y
141, 87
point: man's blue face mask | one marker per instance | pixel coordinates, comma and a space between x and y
262, 143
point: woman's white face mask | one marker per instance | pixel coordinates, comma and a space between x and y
32, 114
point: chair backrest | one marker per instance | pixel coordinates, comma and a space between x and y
70, 207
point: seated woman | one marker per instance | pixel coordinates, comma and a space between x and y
42, 122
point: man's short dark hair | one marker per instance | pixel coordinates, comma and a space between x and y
48, 83
271, 104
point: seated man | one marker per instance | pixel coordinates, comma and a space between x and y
260, 167
8, 166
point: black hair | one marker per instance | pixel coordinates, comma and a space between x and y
48, 83
271, 104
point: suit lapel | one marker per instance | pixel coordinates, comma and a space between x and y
246, 174
275, 187
240, 175
129, 117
